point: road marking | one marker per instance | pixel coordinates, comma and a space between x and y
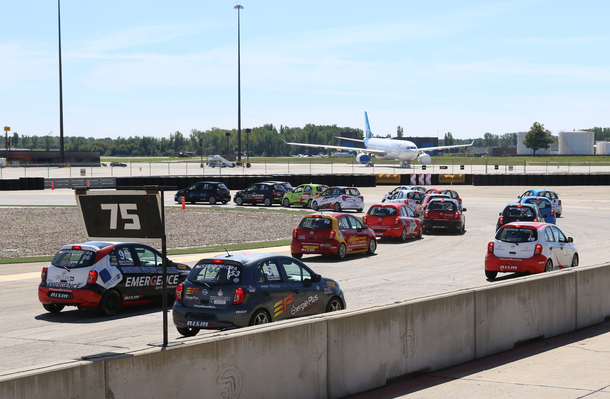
23, 276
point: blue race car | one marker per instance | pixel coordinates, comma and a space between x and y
545, 205
548, 194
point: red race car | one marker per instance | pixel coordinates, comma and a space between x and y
393, 220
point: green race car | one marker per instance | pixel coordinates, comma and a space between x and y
301, 195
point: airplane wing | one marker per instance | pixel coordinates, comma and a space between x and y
337, 147
346, 138
445, 147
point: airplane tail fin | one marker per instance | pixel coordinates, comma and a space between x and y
367, 131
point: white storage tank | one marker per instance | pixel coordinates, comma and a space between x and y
523, 150
576, 143
602, 148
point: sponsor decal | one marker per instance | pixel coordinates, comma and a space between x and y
281, 306
241, 311
62, 285
132, 297
330, 283
220, 300
105, 275
61, 295
199, 324
181, 266
191, 298
146, 281
328, 291
305, 305
194, 290
354, 240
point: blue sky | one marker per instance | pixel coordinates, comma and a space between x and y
151, 68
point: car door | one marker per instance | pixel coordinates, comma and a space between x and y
132, 285
249, 192
151, 265
407, 214
307, 293
305, 193
275, 291
361, 234
553, 245
565, 250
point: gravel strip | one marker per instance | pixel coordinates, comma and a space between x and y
42, 231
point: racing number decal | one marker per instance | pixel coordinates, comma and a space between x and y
124, 208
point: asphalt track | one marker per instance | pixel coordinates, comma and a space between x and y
569, 366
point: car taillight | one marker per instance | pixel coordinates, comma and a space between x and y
490, 247
218, 190
362, 198
332, 234
43, 275
552, 212
77, 247
364, 220
501, 220
457, 214
179, 291
426, 213
216, 260
535, 219
239, 297
396, 221
274, 194
344, 197
294, 233
538, 249
406, 202
92, 278
559, 202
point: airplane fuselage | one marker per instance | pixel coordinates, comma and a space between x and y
402, 150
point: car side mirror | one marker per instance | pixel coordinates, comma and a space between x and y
500, 214
464, 209
570, 239
317, 278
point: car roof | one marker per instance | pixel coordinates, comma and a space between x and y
335, 215
536, 197
97, 245
242, 257
536, 225
389, 204
444, 200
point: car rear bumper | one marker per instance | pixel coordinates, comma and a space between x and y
535, 264
441, 224
207, 318
329, 247
391, 231
75, 297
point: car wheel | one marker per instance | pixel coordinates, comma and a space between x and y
286, 202
490, 274
259, 317
558, 214
549, 266
212, 200
110, 303
403, 234
53, 307
225, 202
463, 230
575, 260
337, 207
420, 233
314, 205
239, 201
372, 246
309, 204
297, 255
187, 331
268, 202
342, 251
334, 304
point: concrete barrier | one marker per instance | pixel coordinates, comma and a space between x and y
338, 354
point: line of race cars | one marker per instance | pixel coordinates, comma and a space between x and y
236, 290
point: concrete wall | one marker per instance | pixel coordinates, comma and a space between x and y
338, 354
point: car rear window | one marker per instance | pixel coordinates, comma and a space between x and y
316, 223
441, 206
352, 191
215, 274
518, 212
517, 234
72, 258
382, 211
221, 185
541, 204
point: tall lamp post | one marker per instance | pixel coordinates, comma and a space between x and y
61, 101
238, 7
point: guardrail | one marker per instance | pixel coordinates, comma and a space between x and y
338, 354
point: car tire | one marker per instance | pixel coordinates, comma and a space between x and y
225, 202
558, 215
341, 251
574, 260
268, 201
372, 246
239, 201
286, 202
463, 230
260, 317
53, 307
403, 234
314, 206
337, 207
490, 274
548, 267
187, 331
212, 200
297, 255
420, 233
309, 204
110, 303
334, 304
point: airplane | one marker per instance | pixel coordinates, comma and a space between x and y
402, 150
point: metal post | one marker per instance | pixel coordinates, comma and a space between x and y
288, 166
61, 100
164, 274
238, 7
168, 168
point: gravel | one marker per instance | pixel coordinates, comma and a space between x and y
42, 231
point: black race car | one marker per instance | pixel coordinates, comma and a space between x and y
106, 276
204, 191
238, 290
267, 193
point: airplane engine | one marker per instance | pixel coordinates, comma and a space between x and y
364, 158
424, 158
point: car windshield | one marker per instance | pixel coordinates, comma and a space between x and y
316, 223
215, 274
382, 211
73, 258
517, 234
441, 206
519, 212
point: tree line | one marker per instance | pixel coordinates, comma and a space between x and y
266, 141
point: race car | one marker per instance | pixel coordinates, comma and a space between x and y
408, 197
519, 213
451, 193
204, 191
301, 195
338, 198
529, 247
393, 220
332, 234
548, 194
545, 206
400, 188
245, 289
106, 276
444, 214
267, 193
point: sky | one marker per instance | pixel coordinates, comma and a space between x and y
151, 68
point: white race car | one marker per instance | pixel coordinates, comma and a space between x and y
338, 198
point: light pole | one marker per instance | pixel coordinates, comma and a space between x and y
238, 7
61, 101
